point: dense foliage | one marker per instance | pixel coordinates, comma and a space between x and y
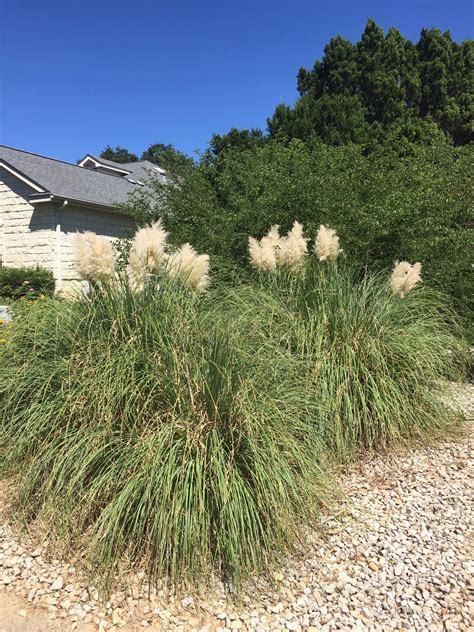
384, 206
119, 154
381, 85
18, 283
374, 363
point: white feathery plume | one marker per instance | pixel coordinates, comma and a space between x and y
273, 250
404, 277
262, 254
268, 260
147, 254
273, 235
254, 253
95, 258
292, 248
192, 268
327, 244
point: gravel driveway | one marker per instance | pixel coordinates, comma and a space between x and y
398, 558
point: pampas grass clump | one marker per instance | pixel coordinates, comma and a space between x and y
145, 429
378, 367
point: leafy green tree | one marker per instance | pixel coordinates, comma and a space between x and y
167, 157
235, 138
119, 154
385, 204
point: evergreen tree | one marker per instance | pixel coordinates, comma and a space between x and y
383, 85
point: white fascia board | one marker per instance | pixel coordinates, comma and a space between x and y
20, 176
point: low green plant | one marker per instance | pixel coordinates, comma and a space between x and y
31, 283
145, 426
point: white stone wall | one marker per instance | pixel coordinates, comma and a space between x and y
25, 232
29, 236
74, 220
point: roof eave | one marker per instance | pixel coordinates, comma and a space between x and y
22, 176
41, 198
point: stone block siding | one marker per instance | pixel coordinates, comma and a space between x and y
74, 220
26, 233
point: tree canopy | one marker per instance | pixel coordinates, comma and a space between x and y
119, 154
383, 84
166, 156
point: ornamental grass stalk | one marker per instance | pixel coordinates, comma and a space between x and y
146, 254
262, 255
327, 244
187, 265
291, 249
274, 251
404, 278
95, 259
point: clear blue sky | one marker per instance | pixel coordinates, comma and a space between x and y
77, 75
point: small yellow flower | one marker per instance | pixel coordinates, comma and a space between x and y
2, 322
2, 340
42, 297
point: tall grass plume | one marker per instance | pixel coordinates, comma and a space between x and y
327, 244
95, 259
146, 254
404, 278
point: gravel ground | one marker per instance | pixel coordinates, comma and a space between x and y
398, 558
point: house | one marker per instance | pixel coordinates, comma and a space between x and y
44, 202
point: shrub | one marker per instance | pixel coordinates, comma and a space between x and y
142, 424
415, 207
16, 283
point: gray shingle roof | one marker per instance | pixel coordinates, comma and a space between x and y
66, 180
139, 170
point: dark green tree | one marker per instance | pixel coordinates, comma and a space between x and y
235, 138
167, 157
383, 84
119, 154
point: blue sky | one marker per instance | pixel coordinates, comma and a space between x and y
76, 75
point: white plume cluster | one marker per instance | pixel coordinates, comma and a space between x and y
404, 277
273, 250
326, 244
147, 254
192, 268
262, 254
95, 258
